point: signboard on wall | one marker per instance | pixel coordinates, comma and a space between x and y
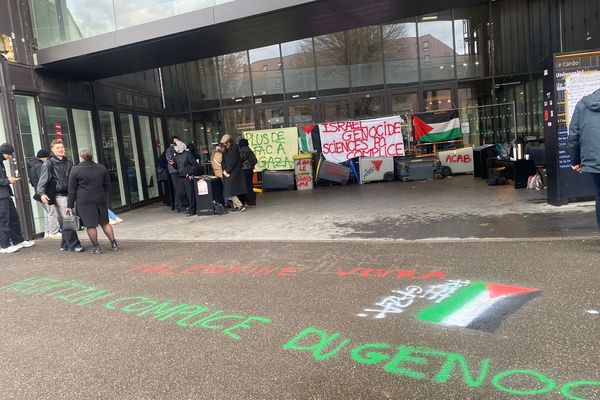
274, 148
570, 77
379, 137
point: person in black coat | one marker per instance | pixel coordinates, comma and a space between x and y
89, 185
187, 168
248, 163
51, 224
234, 183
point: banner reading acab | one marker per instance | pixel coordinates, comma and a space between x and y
274, 148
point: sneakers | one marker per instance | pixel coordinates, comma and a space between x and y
96, 250
114, 246
78, 249
10, 249
239, 209
24, 243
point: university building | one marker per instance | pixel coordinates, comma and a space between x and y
119, 76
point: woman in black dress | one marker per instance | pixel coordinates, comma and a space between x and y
89, 185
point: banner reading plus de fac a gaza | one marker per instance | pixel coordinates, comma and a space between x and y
379, 137
274, 148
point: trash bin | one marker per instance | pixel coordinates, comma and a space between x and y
304, 171
208, 189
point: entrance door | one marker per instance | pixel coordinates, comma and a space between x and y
149, 156
112, 157
132, 160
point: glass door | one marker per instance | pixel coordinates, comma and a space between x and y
31, 142
132, 161
56, 122
405, 105
84, 132
112, 157
149, 156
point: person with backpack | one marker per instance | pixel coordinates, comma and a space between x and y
248, 163
51, 224
187, 168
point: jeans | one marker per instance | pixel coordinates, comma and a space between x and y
52, 226
69, 238
10, 226
596, 179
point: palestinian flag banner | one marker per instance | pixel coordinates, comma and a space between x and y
479, 305
437, 127
305, 142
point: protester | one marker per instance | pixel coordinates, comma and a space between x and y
11, 238
584, 139
51, 225
53, 188
234, 183
89, 186
164, 180
187, 167
248, 163
177, 188
216, 160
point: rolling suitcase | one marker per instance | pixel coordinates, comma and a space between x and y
208, 189
278, 180
333, 172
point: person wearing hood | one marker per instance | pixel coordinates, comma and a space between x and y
53, 188
234, 183
51, 225
187, 168
584, 140
11, 237
248, 163
174, 176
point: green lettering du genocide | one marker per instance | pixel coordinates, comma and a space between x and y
404, 361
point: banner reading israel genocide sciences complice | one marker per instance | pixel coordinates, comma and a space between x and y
274, 148
379, 137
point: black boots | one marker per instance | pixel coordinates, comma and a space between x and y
113, 245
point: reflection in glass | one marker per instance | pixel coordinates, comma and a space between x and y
208, 132
132, 161
271, 118
301, 114
2, 129
31, 141
237, 121
203, 82
436, 46
57, 127
333, 72
470, 36
182, 127
112, 157
400, 53
366, 67
267, 81
404, 105
437, 99
158, 134
299, 68
84, 132
336, 111
235, 78
368, 107
148, 156
175, 88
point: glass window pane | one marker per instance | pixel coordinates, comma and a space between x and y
366, 66
471, 43
132, 161
57, 127
148, 156
436, 46
235, 78
405, 102
267, 80
368, 107
299, 69
203, 84
208, 131
333, 72
158, 132
2, 129
302, 114
175, 88
236, 121
31, 142
112, 157
336, 111
182, 127
271, 118
439, 99
400, 53
84, 131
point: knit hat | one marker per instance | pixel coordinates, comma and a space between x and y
7, 148
226, 138
43, 154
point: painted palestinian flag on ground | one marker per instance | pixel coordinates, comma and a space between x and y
437, 127
479, 305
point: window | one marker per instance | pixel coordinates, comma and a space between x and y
234, 72
298, 61
366, 58
436, 30
333, 72
267, 79
470, 41
400, 53
426, 45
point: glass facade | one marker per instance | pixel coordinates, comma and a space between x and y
112, 157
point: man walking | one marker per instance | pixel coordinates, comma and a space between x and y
53, 188
584, 139
11, 238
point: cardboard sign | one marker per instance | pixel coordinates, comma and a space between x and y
459, 160
274, 148
379, 137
